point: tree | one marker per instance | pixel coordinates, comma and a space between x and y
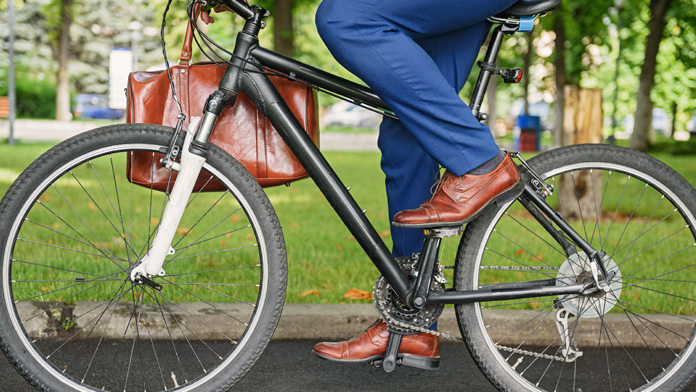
674, 89
643, 116
576, 26
559, 75
283, 31
62, 55
283, 21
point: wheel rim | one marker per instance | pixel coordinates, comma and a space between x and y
70, 312
538, 362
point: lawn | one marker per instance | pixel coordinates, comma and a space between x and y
325, 261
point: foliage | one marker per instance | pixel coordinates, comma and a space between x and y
676, 77
592, 42
33, 56
35, 98
98, 27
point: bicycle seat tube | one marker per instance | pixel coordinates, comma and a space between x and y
485, 75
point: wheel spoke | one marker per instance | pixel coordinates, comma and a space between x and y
633, 335
73, 240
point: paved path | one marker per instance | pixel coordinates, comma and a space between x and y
288, 366
48, 130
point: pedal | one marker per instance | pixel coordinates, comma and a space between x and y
392, 358
424, 363
393, 345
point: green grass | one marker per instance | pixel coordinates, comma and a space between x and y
353, 130
325, 261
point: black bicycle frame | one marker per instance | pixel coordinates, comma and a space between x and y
246, 74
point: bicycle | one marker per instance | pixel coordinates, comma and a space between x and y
546, 294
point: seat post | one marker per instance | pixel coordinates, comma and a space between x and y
485, 75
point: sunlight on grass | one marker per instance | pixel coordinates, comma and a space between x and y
8, 176
323, 256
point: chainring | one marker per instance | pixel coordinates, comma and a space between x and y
395, 313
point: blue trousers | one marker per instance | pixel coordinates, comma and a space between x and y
416, 55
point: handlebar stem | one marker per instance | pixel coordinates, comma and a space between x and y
240, 7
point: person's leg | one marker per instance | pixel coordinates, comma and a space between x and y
376, 40
409, 170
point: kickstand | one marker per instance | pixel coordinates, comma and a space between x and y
393, 344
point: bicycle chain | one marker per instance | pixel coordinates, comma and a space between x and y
391, 321
519, 268
447, 335
530, 353
512, 268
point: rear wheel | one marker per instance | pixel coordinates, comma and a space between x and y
73, 228
639, 335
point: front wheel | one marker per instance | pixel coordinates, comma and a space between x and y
73, 227
639, 334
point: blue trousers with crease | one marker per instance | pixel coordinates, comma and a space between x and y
416, 55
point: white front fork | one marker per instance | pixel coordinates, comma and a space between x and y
189, 169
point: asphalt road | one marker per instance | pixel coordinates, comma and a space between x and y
290, 366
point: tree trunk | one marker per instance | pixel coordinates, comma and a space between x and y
673, 125
580, 192
559, 64
583, 115
282, 27
62, 76
643, 116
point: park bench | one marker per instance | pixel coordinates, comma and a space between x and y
4, 107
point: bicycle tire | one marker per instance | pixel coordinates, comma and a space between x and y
72, 228
637, 336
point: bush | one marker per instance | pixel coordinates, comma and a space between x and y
35, 98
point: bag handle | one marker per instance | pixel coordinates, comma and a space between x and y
185, 56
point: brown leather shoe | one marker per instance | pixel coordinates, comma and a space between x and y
458, 200
419, 350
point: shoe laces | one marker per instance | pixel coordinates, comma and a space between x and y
439, 183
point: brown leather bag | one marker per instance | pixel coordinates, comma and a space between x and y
241, 130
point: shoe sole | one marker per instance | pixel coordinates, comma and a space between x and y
511, 194
416, 361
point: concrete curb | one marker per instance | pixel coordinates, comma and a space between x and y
342, 321
338, 321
